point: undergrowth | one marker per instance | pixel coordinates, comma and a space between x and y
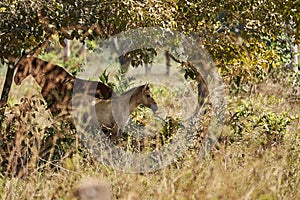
257, 155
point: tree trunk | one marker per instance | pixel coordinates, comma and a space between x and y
67, 50
6, 89
168, 63
295, 57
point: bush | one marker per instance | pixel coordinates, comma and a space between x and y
252, 122
30, 139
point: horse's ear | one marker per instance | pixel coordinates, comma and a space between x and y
147, 86
27, 55
23, 53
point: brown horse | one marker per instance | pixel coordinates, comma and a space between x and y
57, 84
114, 113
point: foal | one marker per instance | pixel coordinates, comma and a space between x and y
57, 84
114, 113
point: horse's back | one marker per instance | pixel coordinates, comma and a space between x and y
92, 88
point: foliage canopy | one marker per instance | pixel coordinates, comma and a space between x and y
26, 24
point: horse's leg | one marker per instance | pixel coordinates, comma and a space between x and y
116, 133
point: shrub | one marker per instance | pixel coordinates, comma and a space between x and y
251, 121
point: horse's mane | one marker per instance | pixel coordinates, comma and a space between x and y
134, 90
35, 61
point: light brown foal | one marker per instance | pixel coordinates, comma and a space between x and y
114, 113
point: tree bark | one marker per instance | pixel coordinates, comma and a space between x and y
168, 63
6, 90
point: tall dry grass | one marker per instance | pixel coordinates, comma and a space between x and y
42, 159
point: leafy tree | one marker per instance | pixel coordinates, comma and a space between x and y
31, 24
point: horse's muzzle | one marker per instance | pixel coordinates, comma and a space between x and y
154, 108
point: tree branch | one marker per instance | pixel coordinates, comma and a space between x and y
6, 90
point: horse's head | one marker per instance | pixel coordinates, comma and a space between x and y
23, 68
147, 99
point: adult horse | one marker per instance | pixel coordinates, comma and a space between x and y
114, 113
57, 84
